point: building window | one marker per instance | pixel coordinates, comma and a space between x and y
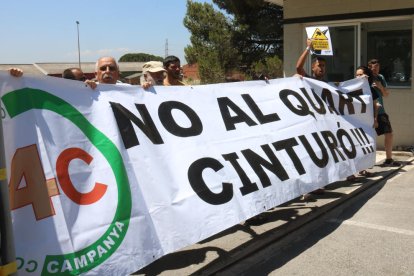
391, 43
341, 66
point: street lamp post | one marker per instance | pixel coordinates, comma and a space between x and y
77, 25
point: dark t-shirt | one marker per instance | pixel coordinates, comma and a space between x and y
380, 98
374, 93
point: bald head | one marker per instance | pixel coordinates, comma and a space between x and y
107, 70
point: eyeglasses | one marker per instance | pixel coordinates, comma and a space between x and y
112, 68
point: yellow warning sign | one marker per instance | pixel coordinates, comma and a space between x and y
319, 40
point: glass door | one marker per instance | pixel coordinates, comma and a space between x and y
341, 66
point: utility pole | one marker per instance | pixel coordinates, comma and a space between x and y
79, 62
166, 48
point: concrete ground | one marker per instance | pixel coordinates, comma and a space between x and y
221, 251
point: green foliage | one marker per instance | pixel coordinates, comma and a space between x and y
272, 67
210, 68
211, 36
250, 35
258, 28
139, 57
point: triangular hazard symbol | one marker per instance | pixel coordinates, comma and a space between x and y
318, 34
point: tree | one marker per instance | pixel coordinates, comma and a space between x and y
271, 67
139, 57
258, 28
251, 33
211, 42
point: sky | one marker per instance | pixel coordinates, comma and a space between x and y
46, 31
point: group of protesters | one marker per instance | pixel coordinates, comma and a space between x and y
167, 73
378, 87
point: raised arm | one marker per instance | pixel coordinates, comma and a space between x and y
302, 59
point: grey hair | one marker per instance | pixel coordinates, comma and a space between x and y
97, 62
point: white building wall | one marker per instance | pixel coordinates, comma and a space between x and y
400, 104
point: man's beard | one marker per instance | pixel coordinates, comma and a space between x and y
155, 81
159, 81
177, 75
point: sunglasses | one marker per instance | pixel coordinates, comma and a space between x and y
112, 68
83, 78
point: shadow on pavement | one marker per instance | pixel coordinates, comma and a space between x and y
293, 216
309, 237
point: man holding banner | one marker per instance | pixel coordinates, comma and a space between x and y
318, 66
318, 63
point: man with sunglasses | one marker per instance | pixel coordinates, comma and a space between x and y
107, 70
74, 74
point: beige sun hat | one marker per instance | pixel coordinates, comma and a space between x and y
153, 67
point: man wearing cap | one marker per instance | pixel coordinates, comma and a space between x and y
153, 74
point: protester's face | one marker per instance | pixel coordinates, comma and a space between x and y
319, 69
158, 77
78, 74
360, 73
107, 71
174, 70
375, 68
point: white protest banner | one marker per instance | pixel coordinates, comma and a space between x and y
104, 182
321, 40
